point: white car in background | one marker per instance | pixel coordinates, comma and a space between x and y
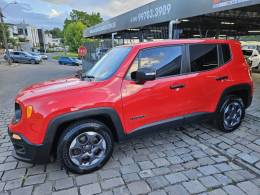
253, 57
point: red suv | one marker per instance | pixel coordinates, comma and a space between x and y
132, 89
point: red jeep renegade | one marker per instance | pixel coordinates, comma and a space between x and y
132, 89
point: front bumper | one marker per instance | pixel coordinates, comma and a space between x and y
28, 152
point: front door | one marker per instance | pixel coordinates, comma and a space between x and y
158, 100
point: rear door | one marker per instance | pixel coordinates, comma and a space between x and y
208, 77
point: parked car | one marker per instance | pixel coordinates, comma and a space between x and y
131, 90
23, 57
43, 56
69, 61
253, 57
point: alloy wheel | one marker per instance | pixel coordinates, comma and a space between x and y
87, 149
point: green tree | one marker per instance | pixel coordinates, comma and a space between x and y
87, 19
5, 27
55, 32
73, 35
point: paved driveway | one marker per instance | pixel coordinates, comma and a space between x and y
193, 159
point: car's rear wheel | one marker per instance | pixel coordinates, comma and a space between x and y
231, 114
33, 62
85, 146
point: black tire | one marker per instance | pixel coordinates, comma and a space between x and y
220, 115
33, 62
76, 129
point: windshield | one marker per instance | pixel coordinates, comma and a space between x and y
109, 63
247, 52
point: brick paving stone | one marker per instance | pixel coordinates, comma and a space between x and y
2, 185
194, 186
192, 174
86, 179
139, 187
36, 170
146, 165
235, 176
160, 162
111, 183
43, 189
175, 160
157, 182
248, 158
161, 170
90, 189
110, 173
176, 178
257, 142
8, 166
55, 175
249, 187
223, 167
13, 174
23, 191
177, 189
209, 182
208, 170
13, 184
64, 183
35, 179
233, 190
146, 173
133, 168
126, 161
223, 179
121, 190
158, 192
233, 151
128, 178
217, 192
205, 161
71, 191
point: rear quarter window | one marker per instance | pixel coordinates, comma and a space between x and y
226, 53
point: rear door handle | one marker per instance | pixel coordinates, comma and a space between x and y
222, 78
180, 86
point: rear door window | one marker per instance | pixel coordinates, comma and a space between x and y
203, 57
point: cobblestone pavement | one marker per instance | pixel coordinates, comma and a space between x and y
194, 159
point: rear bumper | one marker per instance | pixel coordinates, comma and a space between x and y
28, 152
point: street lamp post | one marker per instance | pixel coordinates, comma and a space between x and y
4, 32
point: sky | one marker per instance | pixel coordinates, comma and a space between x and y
48, 14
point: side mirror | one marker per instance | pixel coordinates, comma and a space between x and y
144, 74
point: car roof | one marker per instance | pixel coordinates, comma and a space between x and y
181, 41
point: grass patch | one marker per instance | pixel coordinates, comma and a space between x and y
69, 54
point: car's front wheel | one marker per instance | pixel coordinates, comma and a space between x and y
231, 114
33, 62
85, 146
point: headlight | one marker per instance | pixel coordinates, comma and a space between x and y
18, 113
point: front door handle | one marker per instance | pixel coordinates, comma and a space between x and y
222, 78
180, 86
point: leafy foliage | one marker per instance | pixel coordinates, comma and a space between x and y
5, 27
75, 25
55, 32
73, 35
80, 16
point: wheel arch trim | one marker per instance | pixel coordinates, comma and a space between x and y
233, 89
54, 125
